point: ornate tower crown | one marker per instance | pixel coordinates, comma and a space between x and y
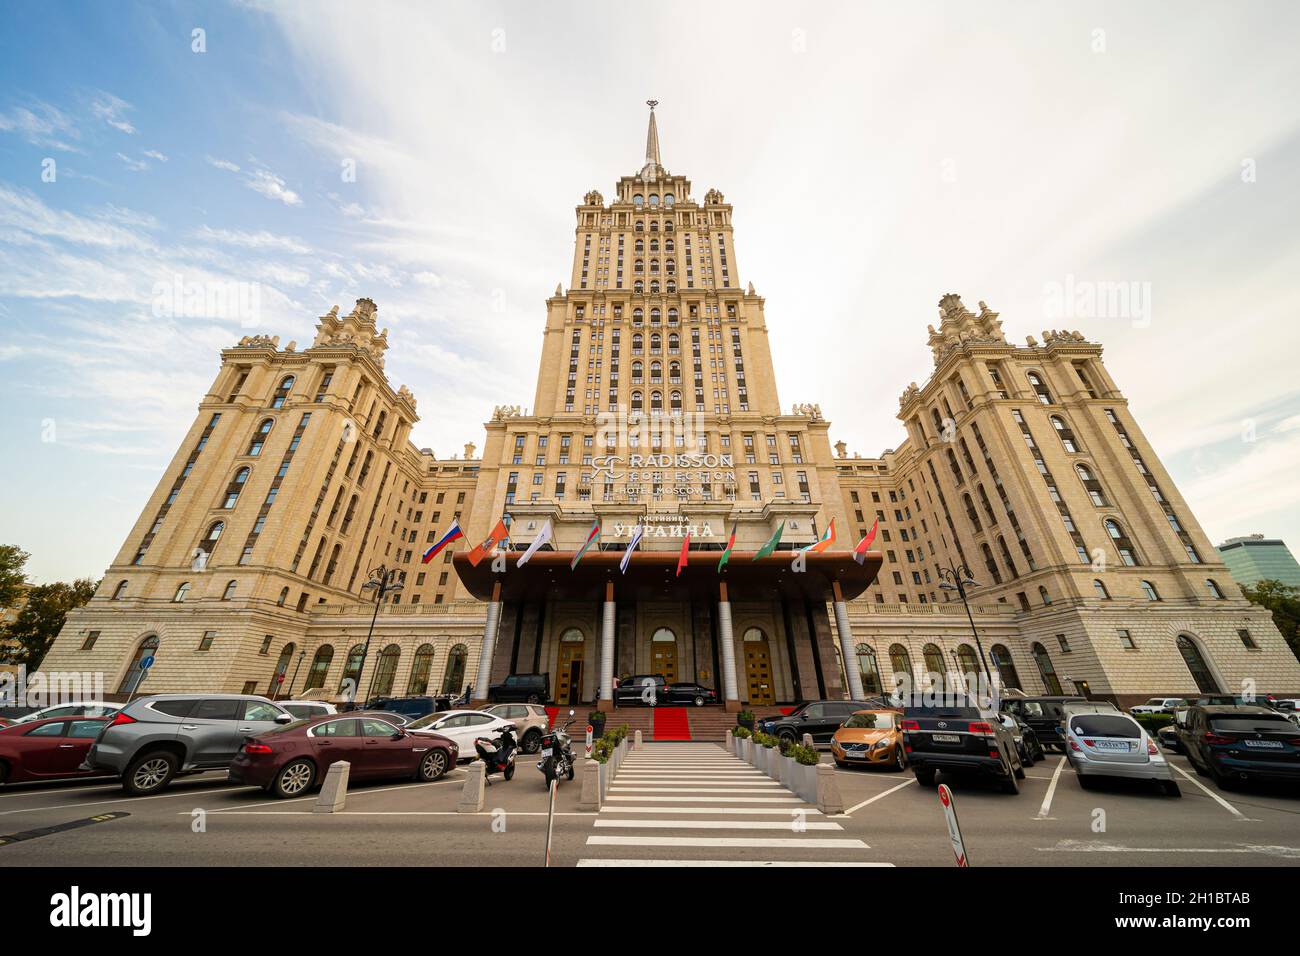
652, 169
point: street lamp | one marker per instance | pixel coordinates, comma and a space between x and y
383, 581
301, 654
958, 578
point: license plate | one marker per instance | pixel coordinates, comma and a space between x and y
1264, 744
546, 752
856, 754
946, 738
1120, 745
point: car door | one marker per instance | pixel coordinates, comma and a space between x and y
211, 731
476, 726
453, 728
336, 740
259, 716
382, 755
40, 748
811, 721
78, 740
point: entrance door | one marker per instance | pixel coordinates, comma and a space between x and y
568, 686
663, 654
758, 671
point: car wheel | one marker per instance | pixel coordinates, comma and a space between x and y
1020, 770
532, 741
532, 699
900, 760
1085, 781
149, 773
4, 772
841, 764
699, 701
294, 779
1170, 788
924, 777
1011, 784
433, 765
788, 738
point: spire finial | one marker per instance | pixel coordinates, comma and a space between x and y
652, 138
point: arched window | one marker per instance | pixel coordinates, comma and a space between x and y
934, 666
637, 403
386, 670
1091, 485
120, 591
675, 402
868, 668
1066, 435
1044, 596
1197, 664
1100, 588
320, 667
209, 542
131, 676
656, 373
352, 671
1046, 670
1149, 590
259, 437
280, 602
1210, 585
637, 342
453, 678
379, 424
235, 487
637, 370
282, 393
182, 593
638, 200
674, 341
968, 664
656, 342
229, 592
900, 662
1122, 544
420, 671
656, 401
1036, 383
1005, 667
281, 669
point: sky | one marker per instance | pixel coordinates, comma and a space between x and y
430, 156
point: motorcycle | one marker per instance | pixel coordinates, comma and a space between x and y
557, 754
498, 755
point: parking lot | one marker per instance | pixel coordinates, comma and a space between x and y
672, 803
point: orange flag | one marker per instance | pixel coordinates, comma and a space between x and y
479, 552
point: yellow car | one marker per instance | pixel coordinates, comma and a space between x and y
869, 738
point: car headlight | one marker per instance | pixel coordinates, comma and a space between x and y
882, 744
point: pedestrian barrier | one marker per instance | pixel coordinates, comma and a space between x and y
471, 797
829, 800
334, 792
590, 799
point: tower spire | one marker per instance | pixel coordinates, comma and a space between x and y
652, 137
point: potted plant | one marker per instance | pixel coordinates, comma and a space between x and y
745, 719
597, 720
802, 777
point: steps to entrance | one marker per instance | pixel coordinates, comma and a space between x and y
664, 723
671, 723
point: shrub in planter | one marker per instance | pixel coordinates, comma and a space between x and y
765, 740
1151, 723
807, 756
745, 719
743, 732
597, 720
622, 731
603, 749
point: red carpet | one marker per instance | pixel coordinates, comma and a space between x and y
671, 724
551, 713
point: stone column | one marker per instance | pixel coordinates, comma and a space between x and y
847, 647
730, 695
606, 697
484, 676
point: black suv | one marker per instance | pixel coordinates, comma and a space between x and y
649, 689
411, 707
1238, 743
1044, 715
960, 737
521, 689
821, 718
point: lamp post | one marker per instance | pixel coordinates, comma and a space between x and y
301, 655
383, 581
958, 578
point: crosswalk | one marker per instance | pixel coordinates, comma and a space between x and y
694, 804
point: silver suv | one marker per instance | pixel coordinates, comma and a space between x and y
155, 738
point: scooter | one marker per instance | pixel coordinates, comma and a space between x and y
498, 756
557, 754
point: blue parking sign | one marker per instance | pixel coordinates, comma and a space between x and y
146, 663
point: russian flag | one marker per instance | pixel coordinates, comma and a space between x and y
452, 534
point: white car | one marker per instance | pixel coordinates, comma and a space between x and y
306, 709
84, 708
1159, 705
1115, 745
462, 726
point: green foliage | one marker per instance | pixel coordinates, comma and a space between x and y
765, 740
621, 732
808, 756
1153, 722
745, 716
596, 717
603, 749
13, 560
42, 617
1283, 600
744, 733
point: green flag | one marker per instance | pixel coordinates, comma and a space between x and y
726, 555
772, 542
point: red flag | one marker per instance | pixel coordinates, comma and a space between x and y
499, 534
681, 561
860, 552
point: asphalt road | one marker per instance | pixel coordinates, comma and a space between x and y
675, 804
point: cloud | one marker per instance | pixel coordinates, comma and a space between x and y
260, 239
154, 154
225, 164
44, 126
273, 187
110, 109
135, 165
22, 210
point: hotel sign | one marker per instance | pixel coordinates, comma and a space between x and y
683, 474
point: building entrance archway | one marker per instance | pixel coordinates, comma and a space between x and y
568, 671
758, 669
663, 654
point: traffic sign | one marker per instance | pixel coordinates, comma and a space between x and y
954, 828
146, 662
588, 740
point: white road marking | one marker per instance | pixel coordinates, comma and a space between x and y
402, 813
1046, 808
747, 843
124, 801
789, 799
351, 793
617, 789
1080, 846
780, 811
1215, 797
880, 796
787, 825
720, 863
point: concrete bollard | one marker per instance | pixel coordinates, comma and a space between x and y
731, 743
590, 799
637, 745
334, 792
828, 791
807, 740
471, 798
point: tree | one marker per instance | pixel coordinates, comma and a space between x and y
1284, 601
13, 559
42, 617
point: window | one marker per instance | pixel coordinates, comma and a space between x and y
205, 642
420, 671
1247, 641
89, 642
281, 393
1006, 668
900, 662
1210, 585
131, 676
934, 666
454, 676
259, 437
1126, 639
1100, 588
1044, 596
1046, 670
1149, 590
1198, 666
1091, 485
1065, 434
229, 592
867, 668
182, 593
386, 671
320, 665
1036, 383
120, 590
1122, 544
266, 644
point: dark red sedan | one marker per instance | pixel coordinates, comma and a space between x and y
288, 761
47, 749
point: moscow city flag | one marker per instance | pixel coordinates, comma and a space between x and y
452, 534
772, 542
592, 537
686, 550
860, 551
726, 555
826, 541
499, 534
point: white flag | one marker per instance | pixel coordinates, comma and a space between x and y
631, 546
543, 536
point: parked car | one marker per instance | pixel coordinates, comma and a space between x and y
530, 720
650, 689
695, 695
85, 708
821, 718
521, 689
1168, 738
1115, 745
463, 727
963, 738
869, 738
1044, 715
392, 716
411, 707
1159, 705
47, 749
1289, 706
306, 709
153, 739
1031, 751
289, 761
1240, 743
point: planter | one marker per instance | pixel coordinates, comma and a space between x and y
746, 749
786, 763
774, 761
803, 781
747, 722
597, 728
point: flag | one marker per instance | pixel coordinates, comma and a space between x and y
686, 547
772, 542
826, 541
499, 534
726, 554
592, 537
453, 533
860, 551
631, 546
542, 538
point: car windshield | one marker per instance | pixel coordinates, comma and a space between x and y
426, 721
871, 721
942, 711
1156, 701
1255, 723
1106, 725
